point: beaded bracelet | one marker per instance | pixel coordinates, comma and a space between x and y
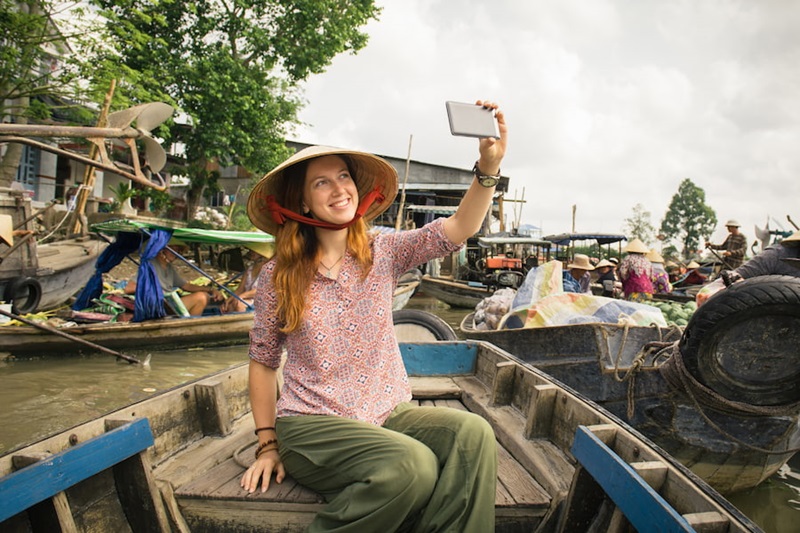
264, 445
263, 429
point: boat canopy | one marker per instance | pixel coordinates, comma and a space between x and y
149, 239
564, 239
490, 241
187, 235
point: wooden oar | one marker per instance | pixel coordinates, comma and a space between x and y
54, 331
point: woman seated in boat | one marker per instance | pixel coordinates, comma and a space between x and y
257, 256
343, 424
661, 284
199, 295
692, 276
577, 277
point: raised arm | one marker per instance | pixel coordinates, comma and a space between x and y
469, 216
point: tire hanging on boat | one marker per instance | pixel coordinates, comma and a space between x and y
743, 342
24, 295
416, 325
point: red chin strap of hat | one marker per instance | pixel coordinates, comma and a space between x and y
280, 213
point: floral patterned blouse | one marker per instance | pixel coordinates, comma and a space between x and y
344, 359
636, 273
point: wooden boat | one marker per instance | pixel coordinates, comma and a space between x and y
173, 462
720, 396
455, 293
38, 277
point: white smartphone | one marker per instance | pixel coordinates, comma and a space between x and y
470, 120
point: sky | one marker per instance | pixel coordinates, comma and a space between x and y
609, 103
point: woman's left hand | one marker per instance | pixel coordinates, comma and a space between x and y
493, 150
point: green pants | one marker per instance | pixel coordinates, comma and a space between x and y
427, 469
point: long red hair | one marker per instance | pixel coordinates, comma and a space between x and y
297, 251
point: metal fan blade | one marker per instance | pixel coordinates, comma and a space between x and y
146, 116
762, 234
154, 154
153, 115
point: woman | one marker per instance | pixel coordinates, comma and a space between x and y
636, 272
660, 279
343, 425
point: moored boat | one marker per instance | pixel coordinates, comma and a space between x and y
175, 331
173, 462
455, 293
34, 276
719, 395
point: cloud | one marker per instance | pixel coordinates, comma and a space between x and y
610, 104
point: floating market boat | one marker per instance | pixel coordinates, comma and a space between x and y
34, 276
719, 395
455, 293
173, 462
169, 332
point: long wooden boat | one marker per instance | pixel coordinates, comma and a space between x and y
720, 395
37, 277
168, 333
173, 462
460, 294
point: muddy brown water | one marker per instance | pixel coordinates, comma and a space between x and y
46, 395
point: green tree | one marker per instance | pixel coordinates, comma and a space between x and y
688, 218
639, 225
35, 62
233, 68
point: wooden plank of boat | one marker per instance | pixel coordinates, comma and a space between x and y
454, 293
162, 334
200, 429
724, 447
171, 332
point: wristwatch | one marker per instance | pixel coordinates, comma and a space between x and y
485, 180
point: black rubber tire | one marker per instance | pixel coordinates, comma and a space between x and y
431, 326
24, 295
743, 342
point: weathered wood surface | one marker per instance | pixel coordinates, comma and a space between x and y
200, 428
165, 333
216, 495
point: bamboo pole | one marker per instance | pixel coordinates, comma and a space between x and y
399, 219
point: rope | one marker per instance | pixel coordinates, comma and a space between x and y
638, 362
676, 374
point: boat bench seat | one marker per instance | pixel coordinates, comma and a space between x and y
214, 500
42, 494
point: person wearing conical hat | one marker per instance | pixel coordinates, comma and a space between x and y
636, 272
576, 277
782, 258
606, 277
661, 284
693, 276
343, 424
257, 255
735, 246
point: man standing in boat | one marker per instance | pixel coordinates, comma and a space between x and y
343, 424
735, 246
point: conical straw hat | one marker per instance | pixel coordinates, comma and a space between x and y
636, 247
369, 172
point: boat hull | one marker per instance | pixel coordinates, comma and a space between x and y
161, 334
203, 440
64, 268
730, 451
454, 293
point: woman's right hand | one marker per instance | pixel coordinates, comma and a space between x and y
262, 468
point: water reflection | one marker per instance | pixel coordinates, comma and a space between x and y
49, 394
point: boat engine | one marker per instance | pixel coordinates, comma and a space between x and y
505, 278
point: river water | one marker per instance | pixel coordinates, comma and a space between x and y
47, 395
